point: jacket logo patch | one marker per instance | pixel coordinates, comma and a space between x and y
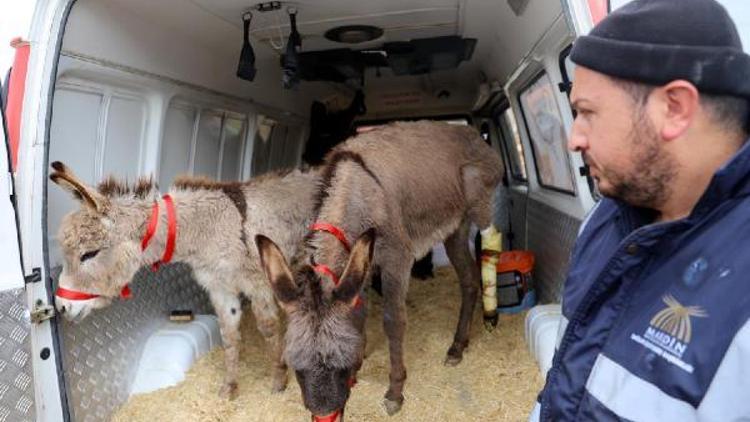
670, 331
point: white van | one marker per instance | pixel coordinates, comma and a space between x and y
142, 87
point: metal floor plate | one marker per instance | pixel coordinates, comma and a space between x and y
101, 352
16, 372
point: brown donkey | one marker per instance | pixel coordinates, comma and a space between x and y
406, 186
112, 235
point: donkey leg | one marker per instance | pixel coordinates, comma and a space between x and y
267, 319
395, 286
229, 311
457, 248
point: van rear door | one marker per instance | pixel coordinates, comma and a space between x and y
11, 274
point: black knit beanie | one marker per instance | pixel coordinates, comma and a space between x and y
658, 41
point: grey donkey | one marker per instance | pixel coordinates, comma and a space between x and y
215, 224
397, 190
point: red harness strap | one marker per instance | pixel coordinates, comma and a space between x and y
330, 228
171, 232
76, 295
150, 232
333, 417
325, 269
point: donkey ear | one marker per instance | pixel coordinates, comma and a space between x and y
65, 178
356, 269
277, 271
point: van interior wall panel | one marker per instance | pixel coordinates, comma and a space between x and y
518, 218
16, 372
101, 353
182, 41
551, 236
504, 38
438, 94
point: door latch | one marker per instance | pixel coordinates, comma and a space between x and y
35, 276
42, 312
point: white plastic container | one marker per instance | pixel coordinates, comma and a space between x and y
172, 349
542, 323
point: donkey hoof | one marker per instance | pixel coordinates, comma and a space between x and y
490, 323
451, 360
229, 391
392, 406
455, 355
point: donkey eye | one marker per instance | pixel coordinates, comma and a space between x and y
89, 255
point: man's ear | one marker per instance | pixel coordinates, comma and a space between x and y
277, 271
88, 196
356, 270
681, 105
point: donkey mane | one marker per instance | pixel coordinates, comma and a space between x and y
194, 183
113, 188
333, 159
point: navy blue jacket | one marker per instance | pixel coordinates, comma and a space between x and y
657, 314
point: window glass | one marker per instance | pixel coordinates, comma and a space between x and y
278, 142
509, 128
207, 145
176, 143
232, 149
264, 127
567, 68
547, 134
292, 148
125, 124
73, 140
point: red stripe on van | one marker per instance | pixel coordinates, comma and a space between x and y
16, 89
598, 10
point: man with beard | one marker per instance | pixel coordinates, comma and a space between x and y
657, 301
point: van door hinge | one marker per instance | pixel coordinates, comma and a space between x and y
42, 312
35, 276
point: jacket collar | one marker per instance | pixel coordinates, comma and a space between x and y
730, 181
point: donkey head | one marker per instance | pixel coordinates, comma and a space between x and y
100, 255
324, 338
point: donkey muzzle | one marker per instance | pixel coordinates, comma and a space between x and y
337, 416
73, 310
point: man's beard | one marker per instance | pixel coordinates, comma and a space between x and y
647, 185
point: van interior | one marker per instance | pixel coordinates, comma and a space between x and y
170, 87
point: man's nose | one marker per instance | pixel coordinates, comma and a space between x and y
577, 141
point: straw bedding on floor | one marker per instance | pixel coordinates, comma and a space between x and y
497, 380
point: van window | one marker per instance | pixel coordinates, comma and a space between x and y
547, 134
231, 149
506, 121
567, 68
264, 128
125, 126
208, 144
176, 143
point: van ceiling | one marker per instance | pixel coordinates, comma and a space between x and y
503, 38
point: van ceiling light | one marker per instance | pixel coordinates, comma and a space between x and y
354, 34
